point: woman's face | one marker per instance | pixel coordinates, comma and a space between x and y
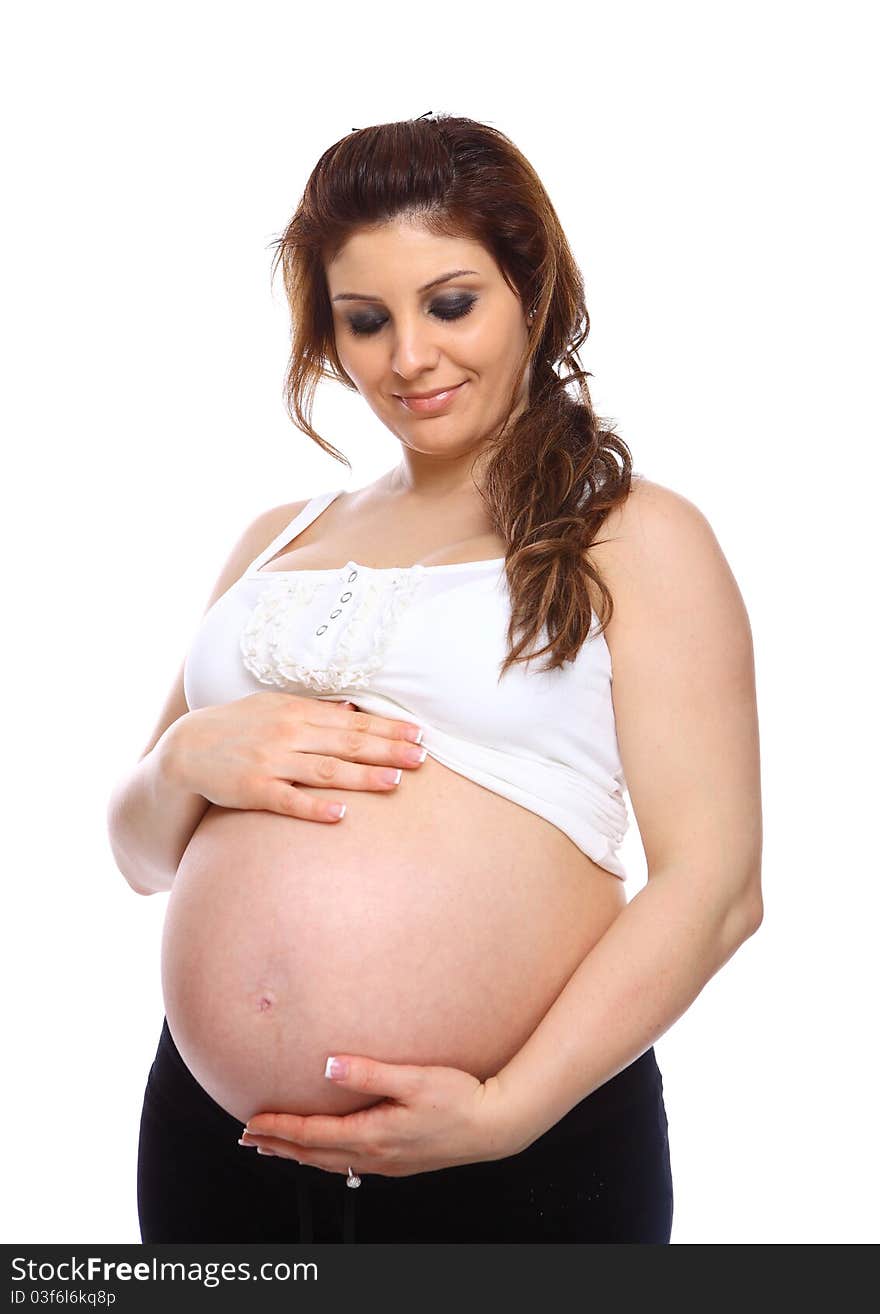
395, 336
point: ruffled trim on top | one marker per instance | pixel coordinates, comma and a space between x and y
326, 635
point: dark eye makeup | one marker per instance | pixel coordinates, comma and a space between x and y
445, 310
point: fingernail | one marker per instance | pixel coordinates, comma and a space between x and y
336, 1068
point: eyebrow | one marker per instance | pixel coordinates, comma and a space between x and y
444, 278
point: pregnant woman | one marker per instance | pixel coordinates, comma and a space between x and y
385, 795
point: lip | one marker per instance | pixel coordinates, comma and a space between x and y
434, 401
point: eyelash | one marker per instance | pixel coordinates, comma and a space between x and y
458, 308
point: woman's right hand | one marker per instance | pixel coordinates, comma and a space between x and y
251, 753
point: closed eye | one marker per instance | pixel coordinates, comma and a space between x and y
445, 310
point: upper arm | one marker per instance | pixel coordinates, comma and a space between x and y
258, 534
683, 689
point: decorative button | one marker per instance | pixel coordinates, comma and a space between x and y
277, 652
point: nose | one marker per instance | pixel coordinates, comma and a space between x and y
415, 351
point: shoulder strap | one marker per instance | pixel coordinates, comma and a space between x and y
310, 512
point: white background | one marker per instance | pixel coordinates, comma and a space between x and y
711, 167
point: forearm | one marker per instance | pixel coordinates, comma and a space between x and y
151, 818
634, 983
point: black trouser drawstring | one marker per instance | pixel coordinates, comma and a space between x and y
348, 1211
304, 1201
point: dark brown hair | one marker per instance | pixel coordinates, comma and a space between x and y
550, 474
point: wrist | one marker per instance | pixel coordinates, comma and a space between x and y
169, 758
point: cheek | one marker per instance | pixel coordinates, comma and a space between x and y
494, 369
352, 356
354, 368
364, 367
491, 349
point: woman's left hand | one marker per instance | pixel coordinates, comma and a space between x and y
431, 1117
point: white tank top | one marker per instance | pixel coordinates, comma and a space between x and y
425, 644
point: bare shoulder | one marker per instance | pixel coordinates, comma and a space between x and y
270, 523
251, 541
684, 693
256, 535
648, 508
656, 543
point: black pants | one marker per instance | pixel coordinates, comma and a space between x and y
602, 1173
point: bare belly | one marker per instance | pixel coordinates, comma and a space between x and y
432, 925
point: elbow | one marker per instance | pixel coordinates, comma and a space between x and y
747, 913
125, 871
737, 905
132, 883
756, 912
753, 899
113, 828
738, 920
138, 889
123, 865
